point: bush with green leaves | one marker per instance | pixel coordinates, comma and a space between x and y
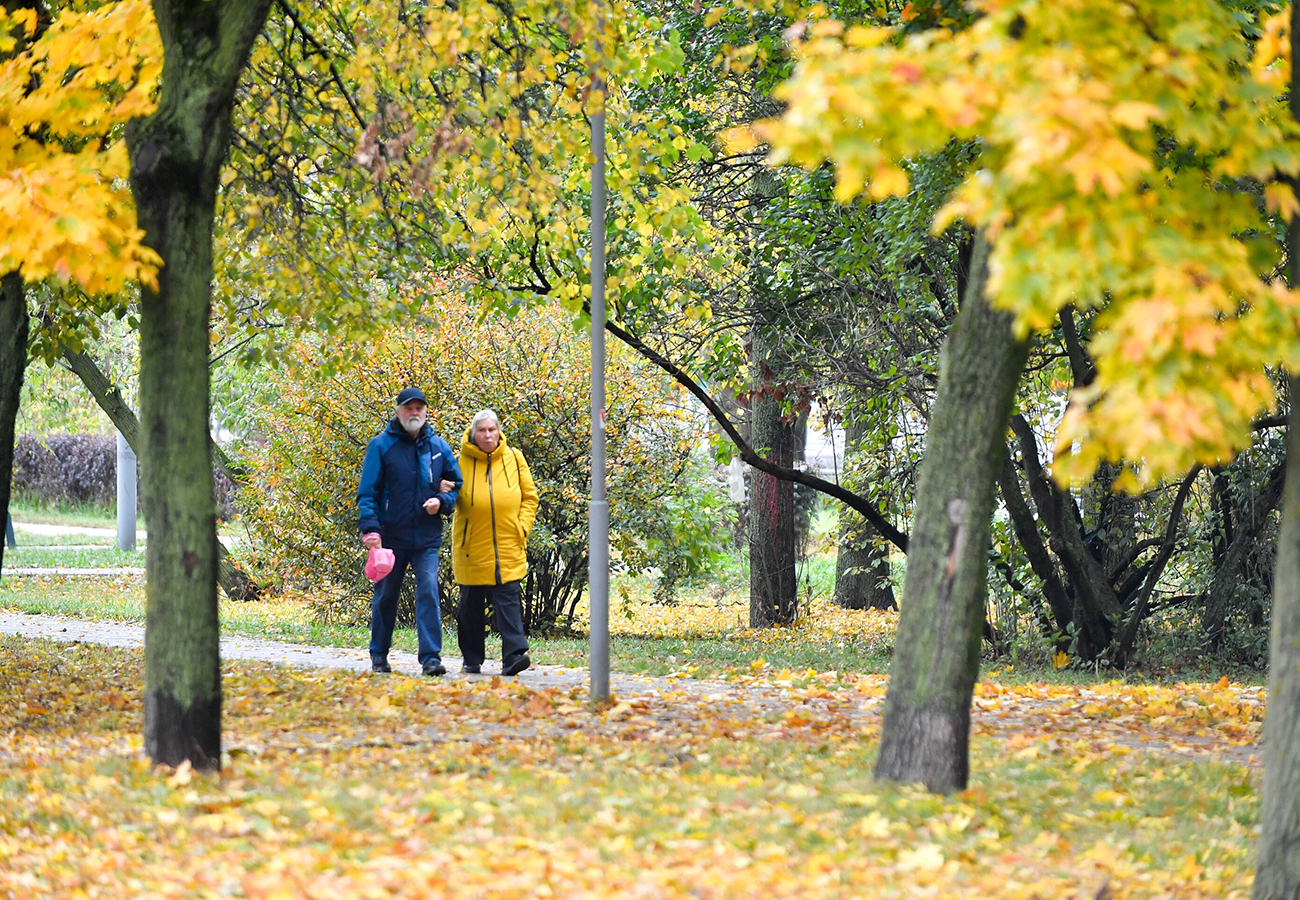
533, 369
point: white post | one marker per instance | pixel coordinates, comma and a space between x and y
125, 494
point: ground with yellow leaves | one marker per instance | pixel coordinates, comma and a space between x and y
347, 785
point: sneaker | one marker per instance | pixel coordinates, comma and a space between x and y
436, 668
521, 662
471, 670
379, 665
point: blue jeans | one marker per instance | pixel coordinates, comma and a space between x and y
428, 615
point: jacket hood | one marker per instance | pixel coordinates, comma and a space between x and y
470, 449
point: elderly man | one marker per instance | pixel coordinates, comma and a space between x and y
409, 481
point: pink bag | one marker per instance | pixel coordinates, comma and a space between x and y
379, 564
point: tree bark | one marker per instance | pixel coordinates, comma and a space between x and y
926, 729
1040, 560
772, 582
232, 579
176, 157
13, 363
1232, 546
1277, 864
862, 562
1095, 607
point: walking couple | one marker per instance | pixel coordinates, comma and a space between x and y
410, 482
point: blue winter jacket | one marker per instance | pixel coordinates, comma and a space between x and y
400, 473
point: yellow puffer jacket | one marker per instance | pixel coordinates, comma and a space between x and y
494, 513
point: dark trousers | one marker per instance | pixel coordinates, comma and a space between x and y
471, 625
428, 616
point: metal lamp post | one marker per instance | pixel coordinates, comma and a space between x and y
598, 508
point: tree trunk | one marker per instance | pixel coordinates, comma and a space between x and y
861, 567
862, 562
926, 729
1277, 866
1232, 546
1095, 606
176, 158
772, 584
1026, 527
233, 580
13, 362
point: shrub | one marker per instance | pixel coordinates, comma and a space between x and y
534, 371
66, 469
81, 469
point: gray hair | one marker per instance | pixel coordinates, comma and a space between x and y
482, 416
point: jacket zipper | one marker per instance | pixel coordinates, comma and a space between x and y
492, 509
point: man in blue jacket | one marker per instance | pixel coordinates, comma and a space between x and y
401, 508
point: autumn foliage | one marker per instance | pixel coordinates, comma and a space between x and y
532, 369
1104, 178
65, 209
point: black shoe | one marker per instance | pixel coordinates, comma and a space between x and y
471, 670
435, 669
379, 665
521, 662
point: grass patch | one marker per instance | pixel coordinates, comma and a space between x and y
85, 515
72, 557
340, 784
31, 539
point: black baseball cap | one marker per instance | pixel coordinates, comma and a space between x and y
409, 394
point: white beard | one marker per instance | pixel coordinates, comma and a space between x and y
413, 425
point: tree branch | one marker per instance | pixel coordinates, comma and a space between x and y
857, 503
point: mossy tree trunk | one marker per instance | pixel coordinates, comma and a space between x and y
176, 159
13, 363
1277, 867
925, 734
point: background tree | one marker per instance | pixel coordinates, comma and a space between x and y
1082, 203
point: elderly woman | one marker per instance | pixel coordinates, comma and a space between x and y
494, 513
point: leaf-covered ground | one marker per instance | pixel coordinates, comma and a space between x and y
344, 785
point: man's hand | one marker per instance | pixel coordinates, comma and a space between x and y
372, 539
432, 505
446, 487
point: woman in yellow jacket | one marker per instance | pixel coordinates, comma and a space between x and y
495, 510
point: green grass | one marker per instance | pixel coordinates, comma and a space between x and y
30, 539
64, 557
85, 515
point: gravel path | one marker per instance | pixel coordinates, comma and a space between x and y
121, 634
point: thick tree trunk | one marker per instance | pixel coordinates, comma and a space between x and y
925, 734
772, 584
233, 580
1277, 867
176, 158
13, 363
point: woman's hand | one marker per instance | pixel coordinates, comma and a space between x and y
446, 487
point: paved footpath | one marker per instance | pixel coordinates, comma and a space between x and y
120, 634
